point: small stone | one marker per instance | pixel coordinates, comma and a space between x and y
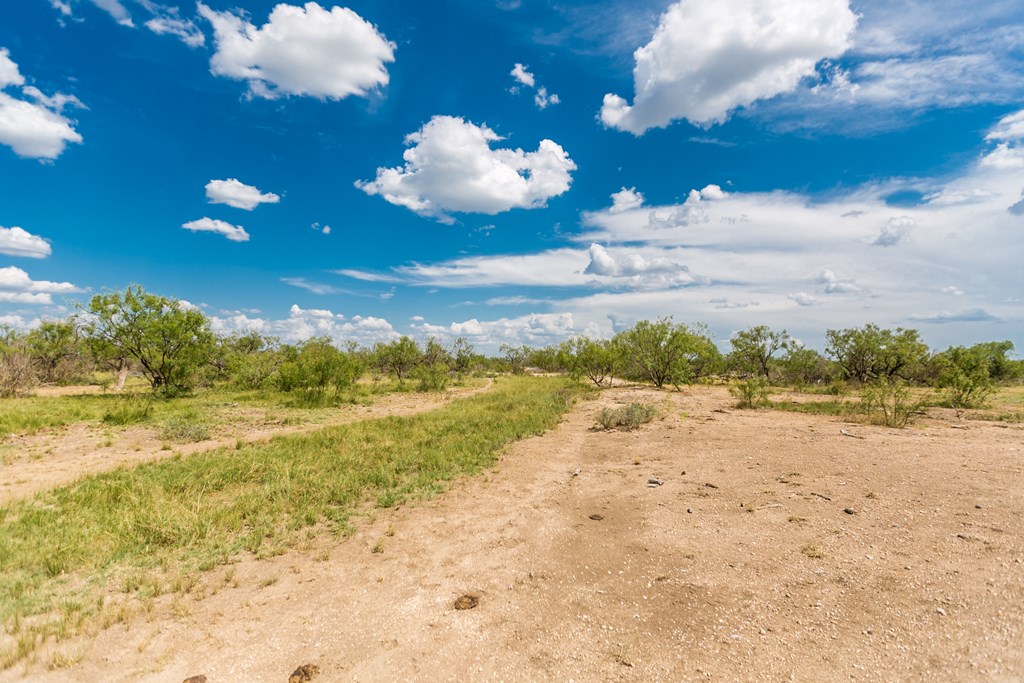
689, 511
195, 679
596, 517
654, 482
849, 511
467, 602
304, 673
941, 611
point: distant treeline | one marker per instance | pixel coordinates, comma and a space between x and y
173, 347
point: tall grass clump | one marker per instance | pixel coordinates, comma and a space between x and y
628, 417
190, 514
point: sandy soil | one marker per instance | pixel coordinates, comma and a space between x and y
775, 548
40, 461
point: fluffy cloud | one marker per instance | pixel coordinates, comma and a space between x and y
36, 129
18, 242
833, 284
303, 323
541, 97
624, 200
451, 167
894, 231
328, 54
237, 194
534, 329
17, 287
640, 270
709, 58
802, 299
522, 76
235, 233
904, 62
810, 262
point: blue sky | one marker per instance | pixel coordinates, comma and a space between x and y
518, 171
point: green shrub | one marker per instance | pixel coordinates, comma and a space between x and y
433, 377
752, 393
890, 402
628, 417
964, 377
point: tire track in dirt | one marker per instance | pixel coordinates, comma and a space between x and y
45, 461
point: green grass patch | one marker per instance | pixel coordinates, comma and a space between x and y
142, 529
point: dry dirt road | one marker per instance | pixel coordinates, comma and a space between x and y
775, 548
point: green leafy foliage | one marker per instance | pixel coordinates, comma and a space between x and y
597, 360
317, 370
891, 402
751, 393
754, 348
964, 376
664, 352
398, 358
170, 340
869, 353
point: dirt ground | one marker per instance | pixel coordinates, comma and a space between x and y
774, 548
58, 456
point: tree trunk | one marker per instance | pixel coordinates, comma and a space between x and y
122, 374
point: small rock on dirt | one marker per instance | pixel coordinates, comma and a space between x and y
596, 517
467, 602
304, 673
710, 485
195, 679
849, 511
654, 483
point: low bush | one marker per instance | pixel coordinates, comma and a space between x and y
628, 417
752, 393
891, 403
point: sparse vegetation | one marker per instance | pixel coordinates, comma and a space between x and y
751, 393
891, 403
183, 515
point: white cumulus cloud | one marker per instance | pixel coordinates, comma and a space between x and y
37, 128
708, 58
308, 50
523, 76
17, 287
541, 97
894, 231
237, 194
626, 199
303, 323
235, 233
17, 241
451, 167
